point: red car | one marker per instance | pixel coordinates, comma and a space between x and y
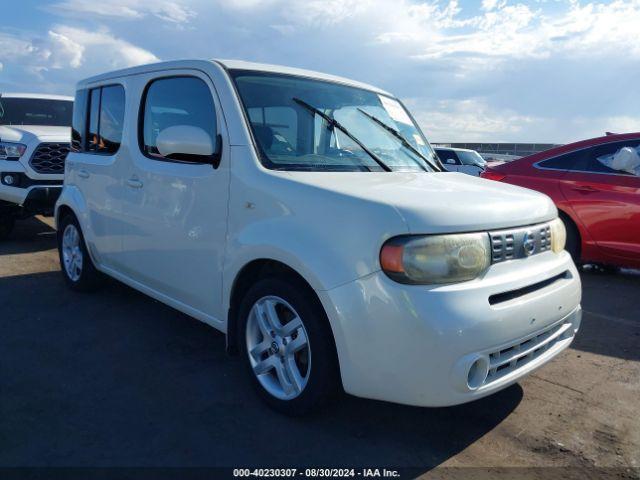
596, 186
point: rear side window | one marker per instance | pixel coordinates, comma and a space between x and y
175, 101
607, 158
568, 161
592, 160
94, 116
106, 119
79, 123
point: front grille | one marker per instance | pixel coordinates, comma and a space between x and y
515, 356
520, 242
49, 157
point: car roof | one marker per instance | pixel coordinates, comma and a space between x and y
570, 147
41, 96
230, 65
455, 149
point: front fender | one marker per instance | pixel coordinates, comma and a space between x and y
266, 242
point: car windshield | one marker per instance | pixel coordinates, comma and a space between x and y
313, 125
471, 158
35, 111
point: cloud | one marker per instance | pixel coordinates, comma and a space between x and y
168, 10
64, 51
474, 118
65, 55
489, 5
70, 47
75, 46
497, 69
13, 48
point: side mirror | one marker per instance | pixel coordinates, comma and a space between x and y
189, 144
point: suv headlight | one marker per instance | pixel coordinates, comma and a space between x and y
434, 259
11, 151
558, 235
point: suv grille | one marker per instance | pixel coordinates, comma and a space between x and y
520, 242
49, 157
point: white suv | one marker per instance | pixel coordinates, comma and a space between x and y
34, 141
307, 217
461, 160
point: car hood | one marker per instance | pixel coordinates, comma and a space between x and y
26, 133
440, 202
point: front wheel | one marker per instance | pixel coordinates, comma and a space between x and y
76, 264
572, 244
288, 346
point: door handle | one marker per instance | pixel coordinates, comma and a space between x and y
83, 174
584, 188
134, 183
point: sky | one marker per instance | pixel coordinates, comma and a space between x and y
546, 71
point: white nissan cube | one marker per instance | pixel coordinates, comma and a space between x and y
307, 217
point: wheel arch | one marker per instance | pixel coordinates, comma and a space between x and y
247, 276
61, 212
71, 201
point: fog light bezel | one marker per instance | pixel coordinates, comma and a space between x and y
10, 180
477, 372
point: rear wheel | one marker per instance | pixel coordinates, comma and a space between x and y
76, 264
288, 346
7, 223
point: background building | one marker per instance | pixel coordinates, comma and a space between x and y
518, 149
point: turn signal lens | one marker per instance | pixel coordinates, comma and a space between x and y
391, 258
558, 235
435, 259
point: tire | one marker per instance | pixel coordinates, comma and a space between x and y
78, 269
609, 269
291, 383
573, 243
7, 223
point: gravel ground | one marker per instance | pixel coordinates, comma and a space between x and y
117, 379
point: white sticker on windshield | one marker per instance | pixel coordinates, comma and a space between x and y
418, 139
395, 110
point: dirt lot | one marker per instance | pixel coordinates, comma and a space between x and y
118, 379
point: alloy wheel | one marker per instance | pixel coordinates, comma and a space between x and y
72, 252
278, 347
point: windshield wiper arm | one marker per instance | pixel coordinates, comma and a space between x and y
401, 138
335, 124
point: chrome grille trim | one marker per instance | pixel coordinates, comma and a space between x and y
49, 158
515, 356
519, 242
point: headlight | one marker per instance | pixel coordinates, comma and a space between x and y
436, 258
558, 235
11, 151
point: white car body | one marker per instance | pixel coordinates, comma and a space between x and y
184, 233
453, 161
37, 183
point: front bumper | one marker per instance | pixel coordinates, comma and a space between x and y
32, 199
416, 344
28, 187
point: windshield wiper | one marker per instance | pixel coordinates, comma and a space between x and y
401, 138
335, 124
